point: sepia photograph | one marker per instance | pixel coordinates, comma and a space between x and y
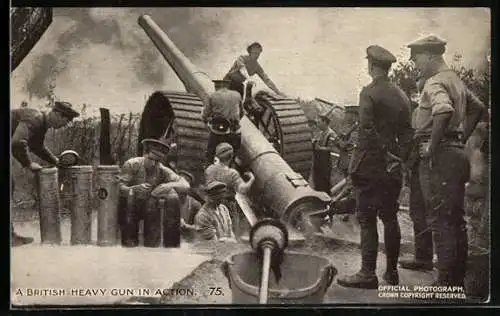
249, 155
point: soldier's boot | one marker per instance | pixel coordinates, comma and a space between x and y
462, 256
416, 264
444, 278
392, 240
366, 277
17, 240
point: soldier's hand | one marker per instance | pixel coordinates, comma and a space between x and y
34, 167
249, 175
142, 188
424, 150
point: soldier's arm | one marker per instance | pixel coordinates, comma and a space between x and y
44, 153
204, 225
126, 177
265, 78
367, 120
239, 184
405, 132
206, 112
173, 181
240, 64
20, 144
442, 111
474, 111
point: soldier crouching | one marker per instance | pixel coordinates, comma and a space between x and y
146, 188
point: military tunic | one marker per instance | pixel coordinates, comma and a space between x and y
224, 104
322, 160
214, 222
28, 129
385, 127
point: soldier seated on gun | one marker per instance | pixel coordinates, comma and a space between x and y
189, 207
222, 172
147, 177
28, 129
213, 221
222, 115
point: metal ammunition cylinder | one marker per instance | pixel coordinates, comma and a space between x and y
49, 204
107, 218
81, 206
171, 223
152, 223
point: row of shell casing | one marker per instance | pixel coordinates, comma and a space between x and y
81, 195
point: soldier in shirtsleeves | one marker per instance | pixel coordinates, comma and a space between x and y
446, 116
28, 129
222, 115
213, 221
221, 171
246, 66
189, 206
323, 145
148, 180
375, 168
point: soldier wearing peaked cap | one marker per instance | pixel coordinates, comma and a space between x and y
146, 180
446, 115
28, 129
213, 221
384, 136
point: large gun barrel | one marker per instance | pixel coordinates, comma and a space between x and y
280, 188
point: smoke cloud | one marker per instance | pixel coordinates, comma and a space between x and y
101, 56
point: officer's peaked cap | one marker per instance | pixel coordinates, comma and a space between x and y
66, 109
380, 54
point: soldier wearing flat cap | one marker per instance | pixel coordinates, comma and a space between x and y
221, 171
213, 221
147, 180
446, 115
246, 66
383, 141
325, 143
222, 115
28, 129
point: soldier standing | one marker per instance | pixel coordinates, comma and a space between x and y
323, 145
384, 134
447, 114
222, 115
246, 66
28, 129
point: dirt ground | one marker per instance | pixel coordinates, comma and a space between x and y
192, 274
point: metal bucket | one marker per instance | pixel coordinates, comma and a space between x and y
81, 206
305, 278
49, 203
107, 220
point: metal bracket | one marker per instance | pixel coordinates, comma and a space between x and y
296, 180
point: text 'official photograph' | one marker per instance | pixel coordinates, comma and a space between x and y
326, 156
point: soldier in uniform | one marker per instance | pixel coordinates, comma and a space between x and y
447, 114
246, 66
323, 145
222, 172
213, 221
28, 129
148, 180
222, 116
384, 137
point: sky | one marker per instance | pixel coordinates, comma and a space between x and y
102, 57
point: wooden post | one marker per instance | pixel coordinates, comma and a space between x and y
105, 157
